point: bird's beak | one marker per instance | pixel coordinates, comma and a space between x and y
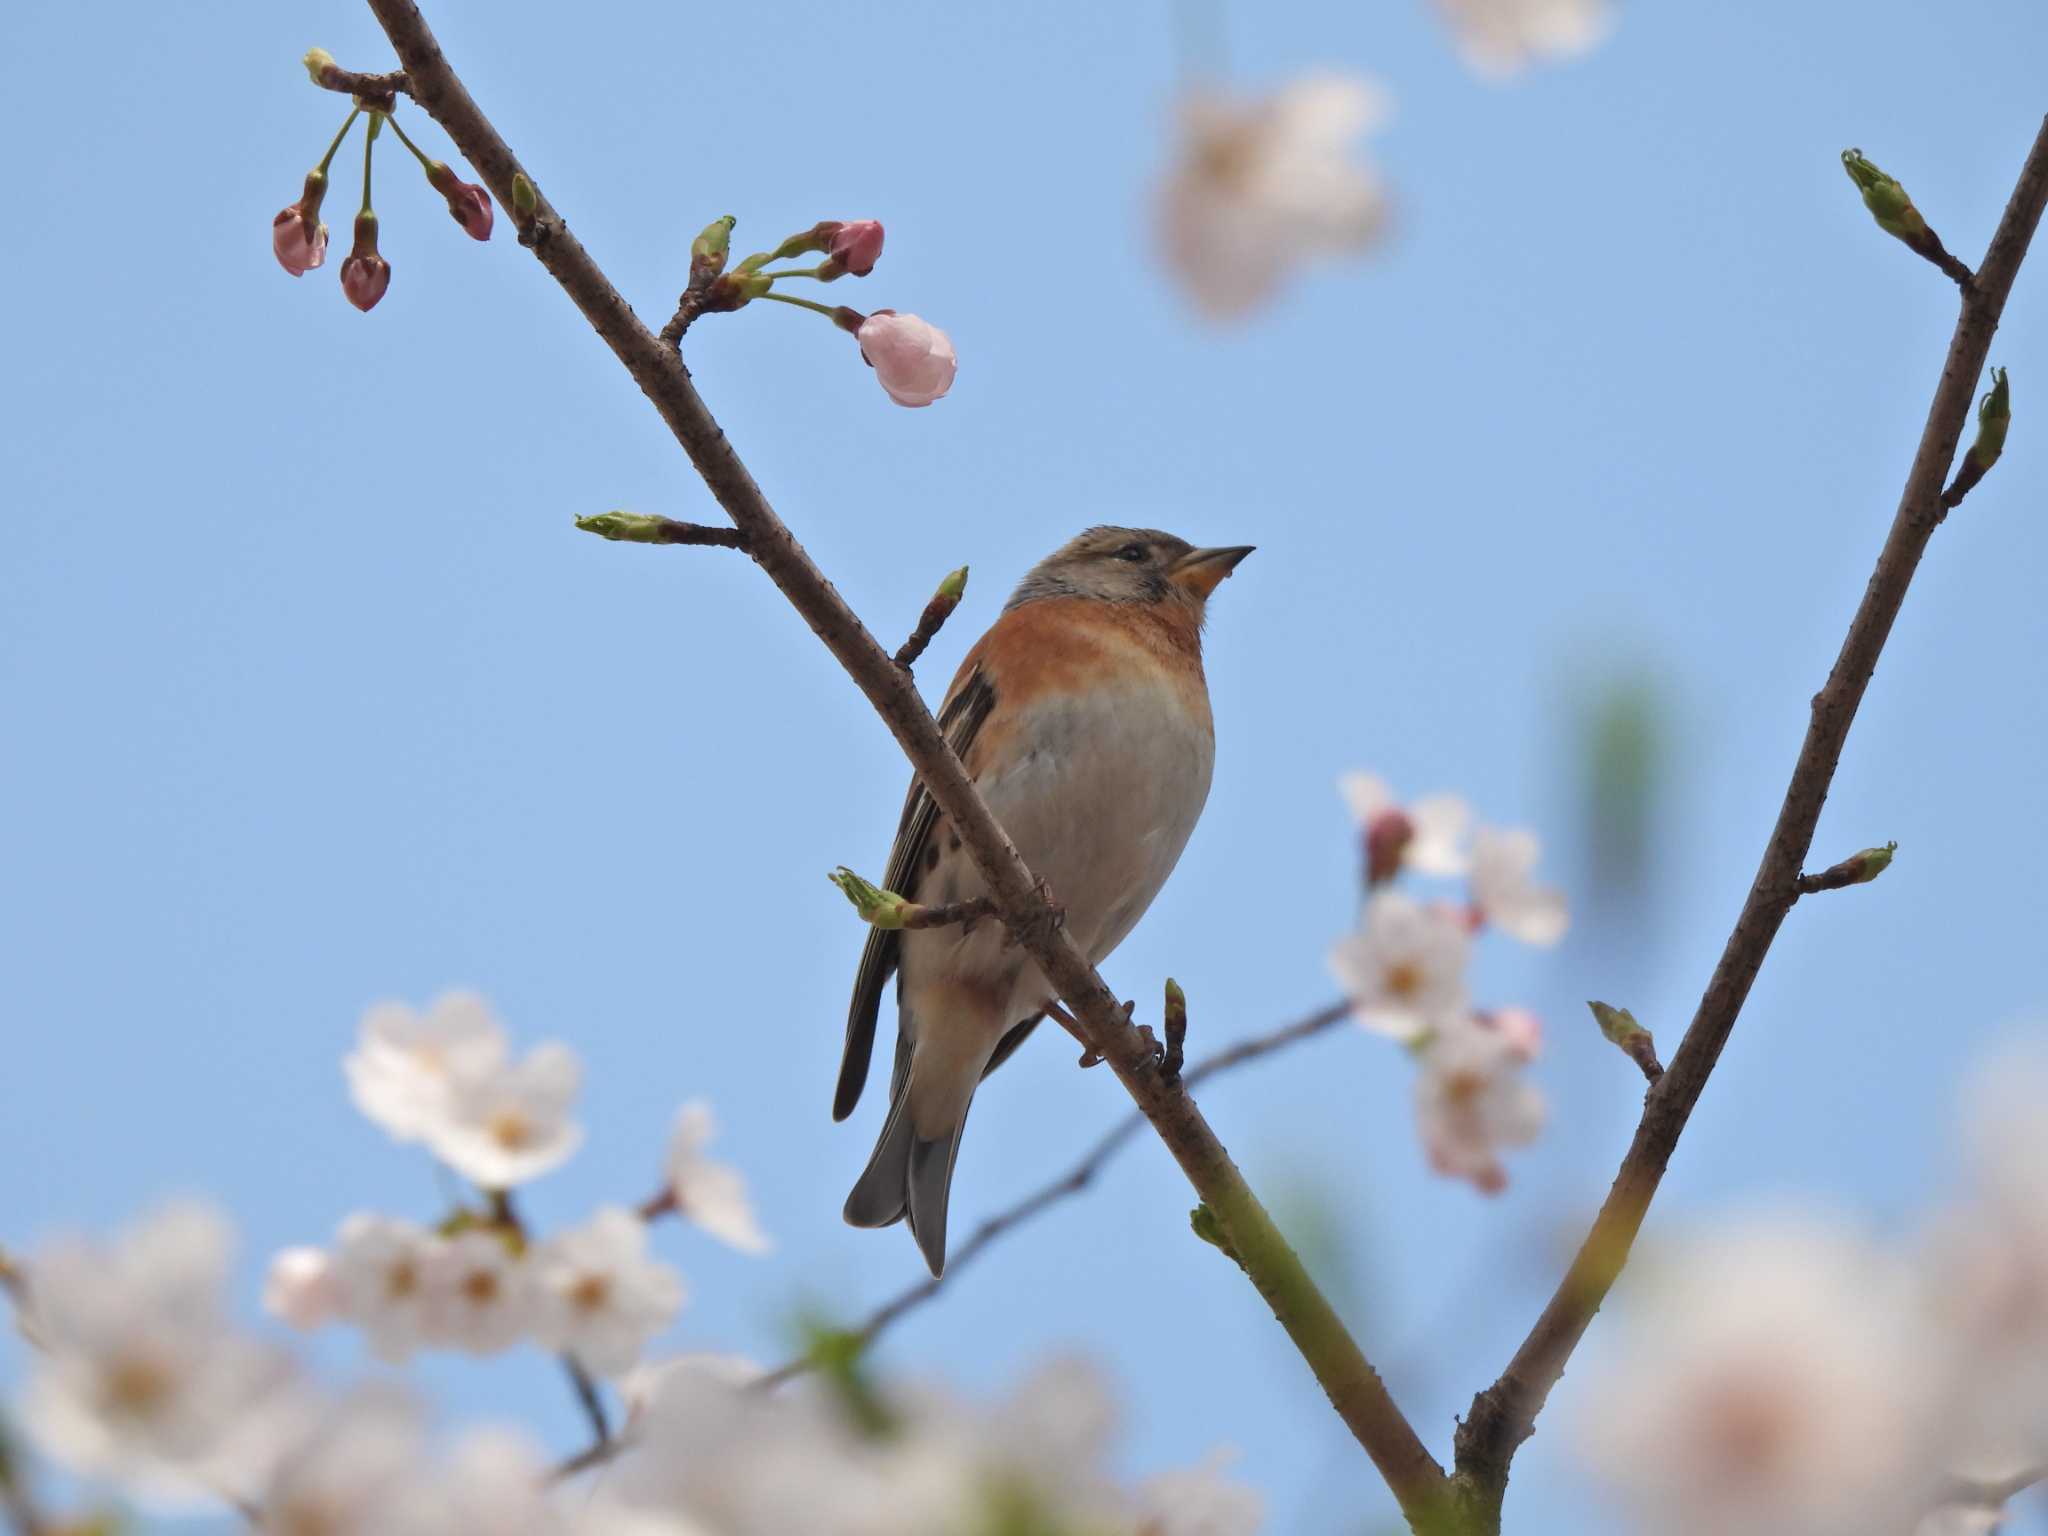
1199, 570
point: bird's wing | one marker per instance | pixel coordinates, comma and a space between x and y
960, 719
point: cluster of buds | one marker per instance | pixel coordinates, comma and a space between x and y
299, 239
913, 359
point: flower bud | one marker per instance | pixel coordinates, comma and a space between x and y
318, 62
366, 274
1387, 837
1994, 416
912, 358
525, 199
710, 251
626, 527
1885, 198
1870, 863
857, 246
877, 907
297, 237
468, 204
954, 587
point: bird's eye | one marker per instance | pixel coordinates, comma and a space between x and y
1132, 552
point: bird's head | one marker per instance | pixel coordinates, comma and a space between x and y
1131, 565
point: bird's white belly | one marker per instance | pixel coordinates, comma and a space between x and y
1100, 799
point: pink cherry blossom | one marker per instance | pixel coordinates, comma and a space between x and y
1471, 1099
365, 274
858, 246
299, 244
913, 358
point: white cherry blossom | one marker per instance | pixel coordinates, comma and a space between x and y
406, 1062
379, 1274
712, 1194
1405, 970
1506, 896
476, 1295
1502, 37
511, 1124
597, 1295
1261, 186
300, 1289
1770, 1377
1431, 832
141, 1377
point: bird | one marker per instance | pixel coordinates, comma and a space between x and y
1082, 716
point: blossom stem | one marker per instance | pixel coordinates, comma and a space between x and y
829, 311
369, 143
346, 124
417, 153
817, 271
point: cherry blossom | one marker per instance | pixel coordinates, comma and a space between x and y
1501, 37
511, 1124
1404, 971
1261, 186
712, 1194
1471, 1098
365, 274
1506, 896
598, 1296
405, 1064
475, 1293
1773, 1376
1427, 836
300, 1288
379, 1276
141, 1377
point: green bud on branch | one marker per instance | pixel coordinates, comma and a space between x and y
1893, 209
1858, 869
1994, 416
525, 198
710, 251
318, 62
627, 527
1636, 1042
877, 908
1176, 1025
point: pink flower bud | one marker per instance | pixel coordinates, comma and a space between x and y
365, 275
913, 358
299, 243
1387, 837
297, 236
858, 246
468, 204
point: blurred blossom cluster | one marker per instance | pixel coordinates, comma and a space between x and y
1789, 1374
1499, 38
146, 1383
1262, 185
1404, 970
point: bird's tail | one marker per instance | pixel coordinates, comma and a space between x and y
909, 1176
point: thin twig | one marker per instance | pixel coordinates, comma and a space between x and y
1072, 1182
935, 614
376, 91
1504, 1414
589, 1399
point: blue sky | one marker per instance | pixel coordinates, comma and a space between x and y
315, 696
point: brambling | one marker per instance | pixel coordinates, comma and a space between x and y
1083, 718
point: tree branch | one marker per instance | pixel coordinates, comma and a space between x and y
1354, 1388
1504, 1414
1072, 1182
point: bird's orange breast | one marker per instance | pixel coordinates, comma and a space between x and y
1073, 645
